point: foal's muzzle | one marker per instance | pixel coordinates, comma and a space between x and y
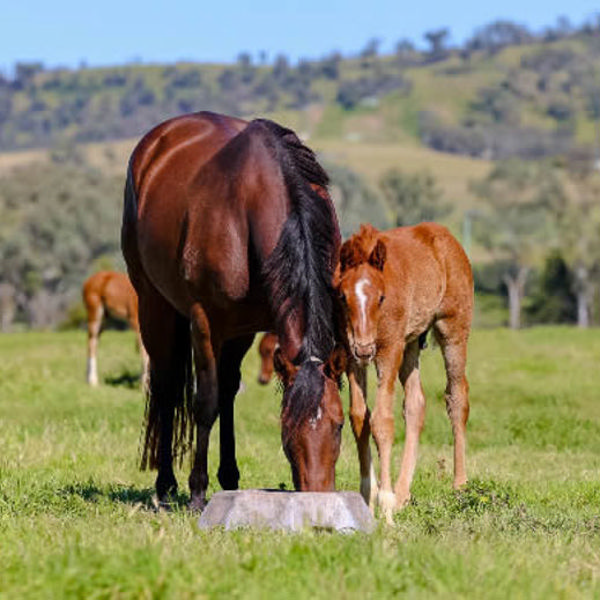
364, 352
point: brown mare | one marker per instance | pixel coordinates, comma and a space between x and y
395, 286
110, 292
266, 351
228, 229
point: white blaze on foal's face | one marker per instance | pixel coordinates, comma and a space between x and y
361, 296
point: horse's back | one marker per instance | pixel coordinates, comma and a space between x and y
165, 146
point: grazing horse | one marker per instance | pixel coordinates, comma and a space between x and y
394, 287
266, 351
111, 292
228, 230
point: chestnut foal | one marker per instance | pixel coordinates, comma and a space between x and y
112, 292
395, 286
266, 350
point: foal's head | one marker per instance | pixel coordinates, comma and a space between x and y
266, 350
312, 418
361, 288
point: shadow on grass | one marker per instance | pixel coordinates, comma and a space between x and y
123, 494
126, 378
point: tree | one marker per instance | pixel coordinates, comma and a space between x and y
58, 218
517, 222
437, 40
579, 227
497, 35
413, 197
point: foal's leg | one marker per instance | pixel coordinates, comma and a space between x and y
229, 382
134, 324
382, 424
206, 404
359, 418
95, 313
452, 337
414, 417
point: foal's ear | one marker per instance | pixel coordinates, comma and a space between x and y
352, 254
378, 256
336, 365
284, 368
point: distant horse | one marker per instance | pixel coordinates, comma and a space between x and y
266, 351
395, 286
111, 292
228, 229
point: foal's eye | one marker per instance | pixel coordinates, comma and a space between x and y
381, 299
343, 297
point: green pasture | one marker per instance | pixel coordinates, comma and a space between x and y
77, 517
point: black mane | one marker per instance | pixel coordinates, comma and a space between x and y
299, 271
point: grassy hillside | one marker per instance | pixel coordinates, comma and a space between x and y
536, 84
77, 519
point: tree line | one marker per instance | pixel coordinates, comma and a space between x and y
41, 106
538, 223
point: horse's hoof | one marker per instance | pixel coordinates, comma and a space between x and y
229, 479
197, 505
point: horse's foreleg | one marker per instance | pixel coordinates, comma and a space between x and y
382, 425
229, 382
454, 350
206, 404
359, 418
94, 327
414, 417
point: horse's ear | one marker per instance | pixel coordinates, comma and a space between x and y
378, 256
337, 362
284, 368
351, 255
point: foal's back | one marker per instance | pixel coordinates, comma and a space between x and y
428, 275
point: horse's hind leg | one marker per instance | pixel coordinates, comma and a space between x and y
229, 381
359, 418
452, 337
95, 312
414, 417
166, 337
206, 403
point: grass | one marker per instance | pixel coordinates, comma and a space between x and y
77, 517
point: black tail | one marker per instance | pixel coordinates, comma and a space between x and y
171, 395
178, 391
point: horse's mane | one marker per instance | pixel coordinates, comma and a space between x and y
356, 249
299, 271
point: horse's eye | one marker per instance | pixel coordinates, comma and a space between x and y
343, 297
381, 299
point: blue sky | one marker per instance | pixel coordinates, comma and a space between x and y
67, 32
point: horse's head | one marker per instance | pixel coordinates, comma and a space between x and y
312, 418
361, 288
266, 350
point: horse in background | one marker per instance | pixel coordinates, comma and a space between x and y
109, 292
228, 230
394, 287
266, 351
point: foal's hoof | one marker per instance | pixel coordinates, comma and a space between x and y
387, 505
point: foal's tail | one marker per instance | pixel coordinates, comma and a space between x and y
171, 398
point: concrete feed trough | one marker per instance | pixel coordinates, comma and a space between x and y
289, 511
